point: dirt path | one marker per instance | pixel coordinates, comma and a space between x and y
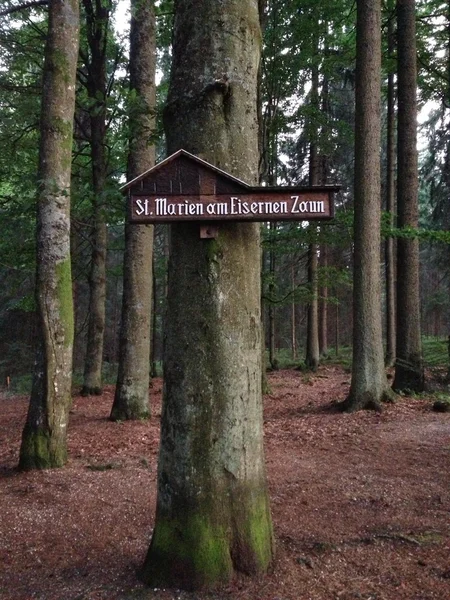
361, 503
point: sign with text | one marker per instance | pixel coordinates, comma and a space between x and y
186, 188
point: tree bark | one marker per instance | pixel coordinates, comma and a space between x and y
323, 305
97, 24
409, 371
312, 358
390, 207
293, 319
271, 309
131, 397
212, 516
369, 383
44, 437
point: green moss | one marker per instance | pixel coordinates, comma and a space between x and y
36, 452
253, 543
214, 250
261, 535
192, 552
130, 407
64, 291
189, 553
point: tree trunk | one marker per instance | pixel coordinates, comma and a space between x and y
44, 436
312, 358
390, 207
212, 516
97, 24
131, 397
323, 305
272, 312
409, 371
312, 332
369, 383
293, 320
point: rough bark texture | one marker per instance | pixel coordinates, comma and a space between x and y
131, 397
44, 436
390, 207
409, 373
212, 516
97, 20
369, 383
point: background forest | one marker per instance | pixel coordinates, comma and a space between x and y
306, 137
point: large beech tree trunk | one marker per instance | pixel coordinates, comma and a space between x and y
44, 436
212, 516
369, 383
131, 397
409, 372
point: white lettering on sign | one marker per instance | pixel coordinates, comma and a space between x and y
228, 207
217, 208
142, 208
311, 206
171, 209
239, 207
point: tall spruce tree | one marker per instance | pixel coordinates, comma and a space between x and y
390, 196
97, 15
212, 516
45, 433
369, 385
409, 371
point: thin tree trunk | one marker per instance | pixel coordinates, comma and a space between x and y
390, 206
323, 259
272, 312
44, 438
312, 358
409, 371
312, 333
293, 320
212, 516
336, 328
153, 329
323, 305
369, 383
131, 398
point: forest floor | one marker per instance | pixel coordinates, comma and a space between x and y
360, 503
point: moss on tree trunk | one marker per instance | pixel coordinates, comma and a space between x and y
213, 515
44, 436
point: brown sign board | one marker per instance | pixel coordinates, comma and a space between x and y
186, 188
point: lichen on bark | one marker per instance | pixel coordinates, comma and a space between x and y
44, 436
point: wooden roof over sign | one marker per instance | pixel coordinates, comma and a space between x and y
184, 187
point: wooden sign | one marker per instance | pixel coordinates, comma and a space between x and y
186, 188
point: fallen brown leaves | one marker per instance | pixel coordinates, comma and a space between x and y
361, 502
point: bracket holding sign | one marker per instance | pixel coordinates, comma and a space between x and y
184, 187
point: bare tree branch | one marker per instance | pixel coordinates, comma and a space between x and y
25, 5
